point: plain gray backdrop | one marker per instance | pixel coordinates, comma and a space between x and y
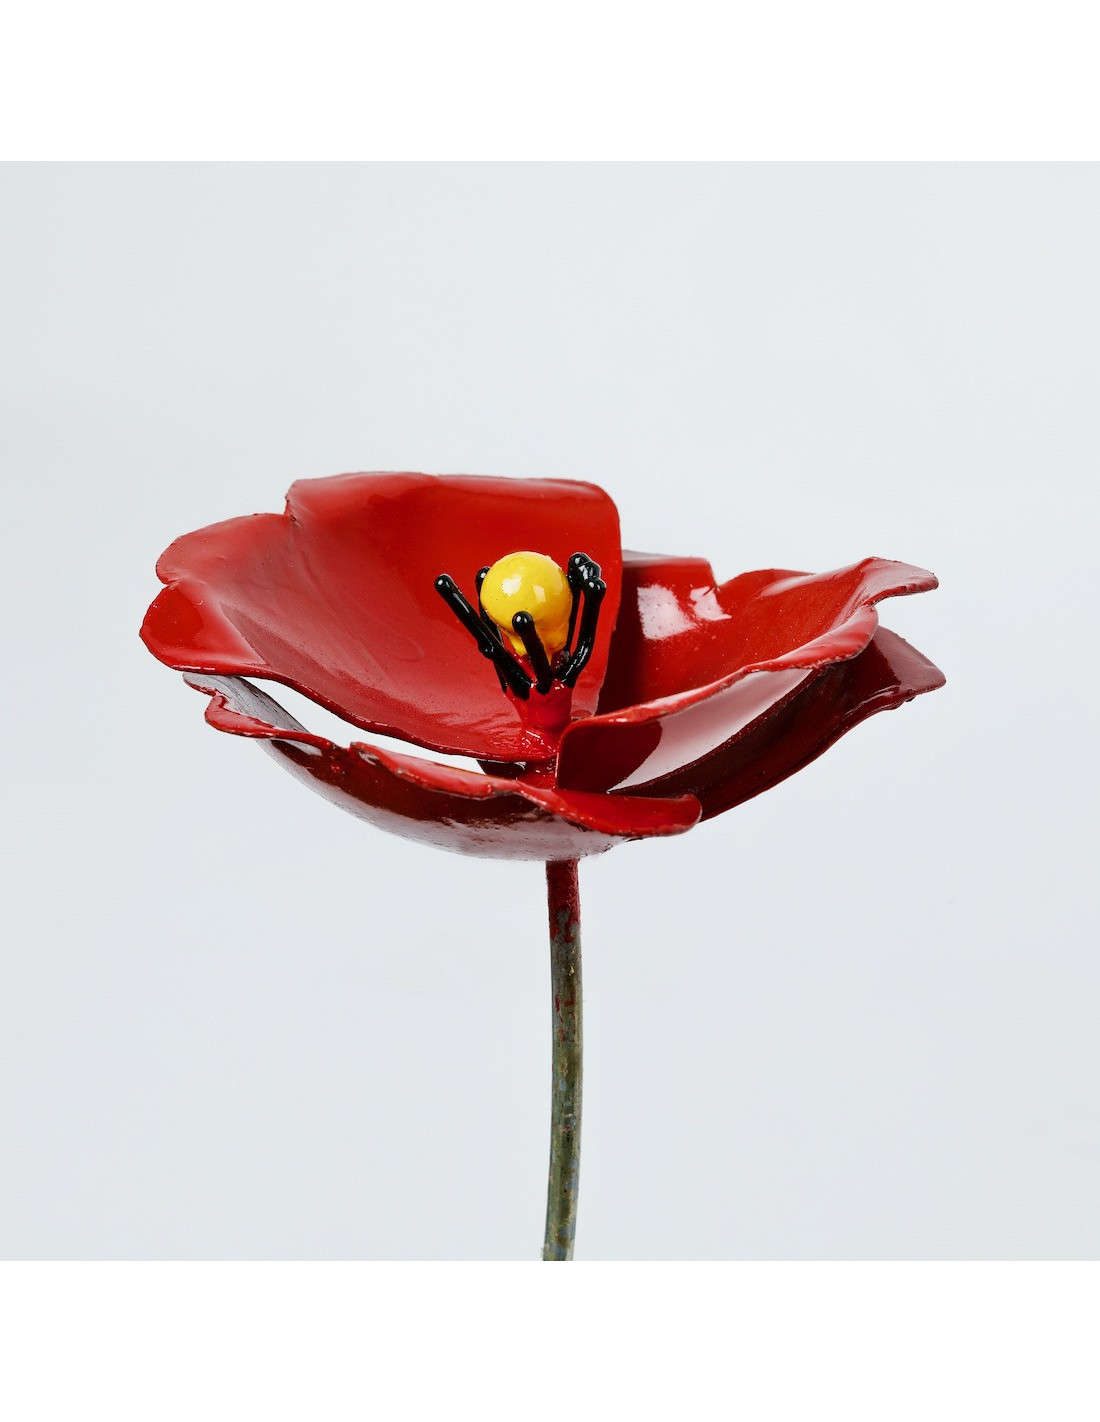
854, 1018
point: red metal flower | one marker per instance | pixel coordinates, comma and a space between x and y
697, 696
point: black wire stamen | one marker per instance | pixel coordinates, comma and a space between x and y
575, 579
488, 644
481, 575
523, 624
588, 588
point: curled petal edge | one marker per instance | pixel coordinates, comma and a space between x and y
887, 674
452, 808
636, 746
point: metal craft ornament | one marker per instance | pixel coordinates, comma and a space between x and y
631, 696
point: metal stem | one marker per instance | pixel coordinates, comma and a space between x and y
563, 899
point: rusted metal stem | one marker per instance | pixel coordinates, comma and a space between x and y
563, 899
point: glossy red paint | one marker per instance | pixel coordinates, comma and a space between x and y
694, 664
335, 597
698, 695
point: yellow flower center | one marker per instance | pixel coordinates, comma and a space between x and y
531, 583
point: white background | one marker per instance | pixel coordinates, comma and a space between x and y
854, 1018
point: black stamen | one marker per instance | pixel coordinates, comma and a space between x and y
575, 580
581, 570
487, 644
523, 625
584, 578
481, 574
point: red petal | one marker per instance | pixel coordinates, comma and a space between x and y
336, 598
887, 674
461, 810
707, 662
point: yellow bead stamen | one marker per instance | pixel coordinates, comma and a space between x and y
531, 583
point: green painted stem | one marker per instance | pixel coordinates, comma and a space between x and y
563, 898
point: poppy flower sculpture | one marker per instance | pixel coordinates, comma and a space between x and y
608, 696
